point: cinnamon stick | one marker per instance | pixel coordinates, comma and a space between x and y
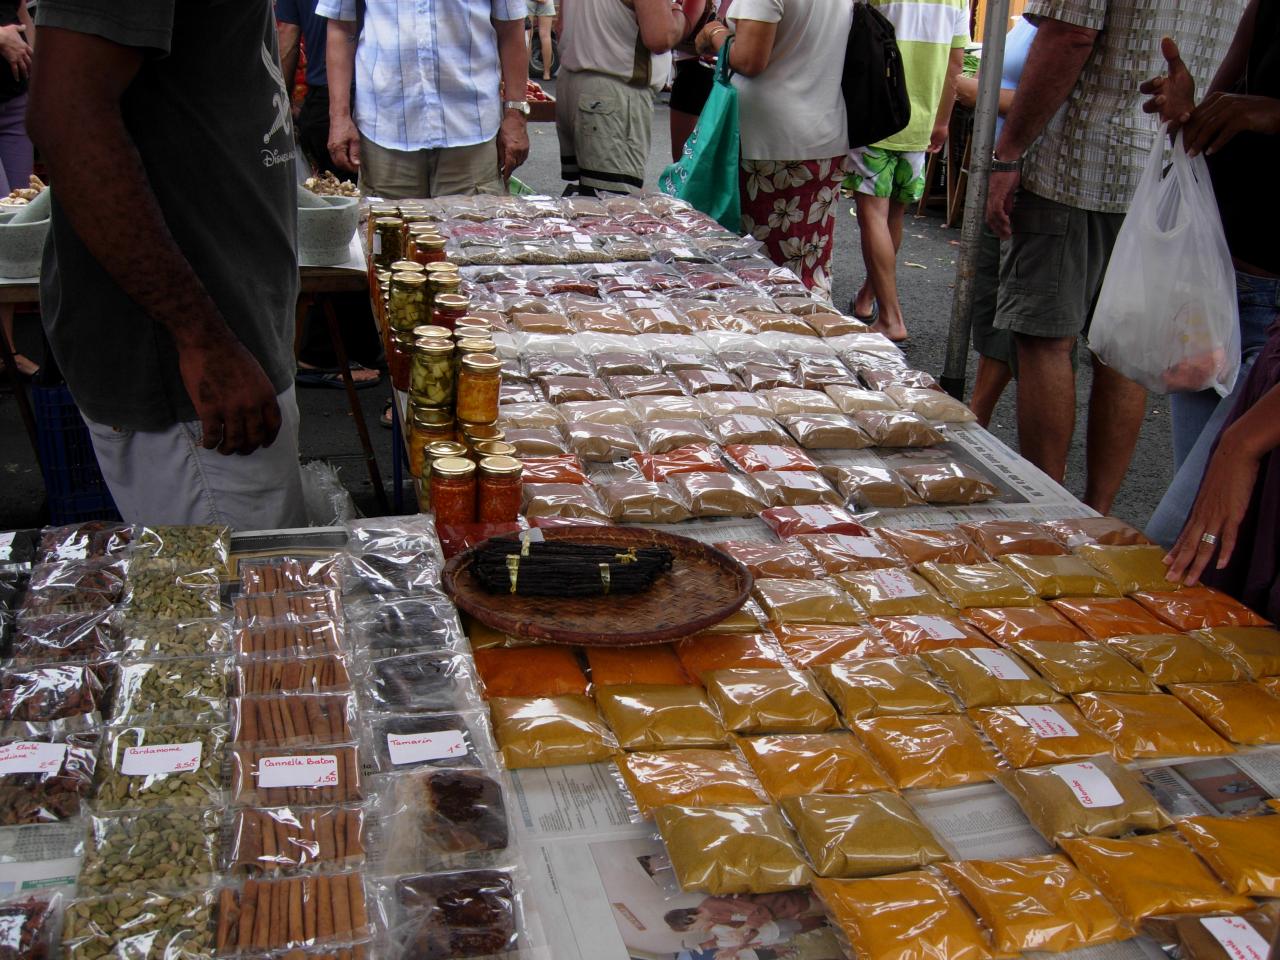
227, 917
296, 933
248, 909
324, 909
355, 890
341, 906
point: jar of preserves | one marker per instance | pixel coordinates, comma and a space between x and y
376, 212
479, 383
438, 451
472, 333
498, 489
408, 266
427, 426
427, 248
447, 308
480, 323
493, 448
453, 490
431, 380
400, 359
471, 347
473, 433
386, 241
429, 331
407, 302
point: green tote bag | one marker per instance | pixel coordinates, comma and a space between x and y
706, 175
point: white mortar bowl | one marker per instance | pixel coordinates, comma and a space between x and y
21, 247
325, 232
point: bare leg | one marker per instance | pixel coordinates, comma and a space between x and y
1117, 406
876, 223
1046, 401
682, 125
544, 33
993, 376
25, 366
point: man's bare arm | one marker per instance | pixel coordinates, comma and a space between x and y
513, 61
662, 26
74, 118
947, 101
1236, 61
340, 62
289, 34
1057, 56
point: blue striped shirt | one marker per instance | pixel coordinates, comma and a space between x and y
427, 71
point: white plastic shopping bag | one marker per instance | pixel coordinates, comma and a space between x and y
1167, 316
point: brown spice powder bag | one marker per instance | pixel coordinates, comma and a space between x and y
987, 678
1241, 712
935, 751
861, 836
791, 765
1079, 667
660, 717
550, 731
1243, 851
1096, 798
1177, 658
978, 585
770, 701
1150, 725
732, 850
694, 777
1035, 734
875, 688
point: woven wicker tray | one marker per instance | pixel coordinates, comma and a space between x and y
703, 587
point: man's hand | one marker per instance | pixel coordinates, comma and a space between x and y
15, 50
938, 139
344, 144
1173, 94
513, 142
1001, 189
1221, 116
232, 395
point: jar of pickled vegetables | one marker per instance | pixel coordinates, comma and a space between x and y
448, 308
431, 331
400, 359
498, 489
431, 381
376, 212
428, 248
427, 426
386, 241
453, 490
479, 383
407, 302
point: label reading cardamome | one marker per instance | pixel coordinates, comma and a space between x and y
161, 758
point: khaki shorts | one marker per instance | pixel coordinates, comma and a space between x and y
401, 174
605, 127
541, 8
1052, 269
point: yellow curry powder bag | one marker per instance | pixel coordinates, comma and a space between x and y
660, 717
1150, 725
978, 585
811, 644
1036, 734
911, 916
916, 634
705, 652
1132, 569
1067, 576
1177, 658
892, 593
550, 731
699, 778
1257, 649
935, 751
1199, 608
1089, 665
1090, 798
1151, 876
770, 701
1007, 624
793, 764
619, 666
875, 688
806, 601
987, 678
1243, 851
1037, 903
863, 836
1241, 712
732, 850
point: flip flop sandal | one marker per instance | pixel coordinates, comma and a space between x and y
870, 318
332, 378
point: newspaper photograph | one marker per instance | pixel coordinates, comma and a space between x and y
1226, 786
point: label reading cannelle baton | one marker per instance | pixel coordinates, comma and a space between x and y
300, 770
161, 758
28, 756
1092, 787
421, 747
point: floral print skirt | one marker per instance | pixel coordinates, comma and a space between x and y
790, 207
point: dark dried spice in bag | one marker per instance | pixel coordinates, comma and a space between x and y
452, 915
52, 796
26, 927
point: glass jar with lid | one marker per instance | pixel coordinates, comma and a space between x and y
407, 302
479, 383
386, 241
453, 490
408, 266
493, 448
427, 248
430, 330
448, 308
438, 450
431, 379
498, 489
400, 359
427, 426
473, 433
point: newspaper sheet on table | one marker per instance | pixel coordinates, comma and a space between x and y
1222, 786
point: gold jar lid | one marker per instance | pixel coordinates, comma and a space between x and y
472, 333
481, 431
471, 320
432, 331
388, 222
484, 363
495, 448
407, 266
453, 301
453, 467
431, 416
433, 346
475, 345
423, 225
439, 449
442, 266
403, 278
428, 241
501, 466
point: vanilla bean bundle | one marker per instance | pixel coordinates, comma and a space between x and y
552, 568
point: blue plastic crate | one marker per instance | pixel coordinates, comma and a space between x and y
72, 480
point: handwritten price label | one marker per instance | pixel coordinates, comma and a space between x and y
161, 758
1092, 787
939, 628
1046, 722
999, 664
1238, 937
303, 770
26, 756
894, 584
421, 747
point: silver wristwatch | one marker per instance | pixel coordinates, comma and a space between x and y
1005, 166
522, 106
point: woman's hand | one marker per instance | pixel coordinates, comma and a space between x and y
711, 39
1219, 510
15, 50
1221, 116
1173, 94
